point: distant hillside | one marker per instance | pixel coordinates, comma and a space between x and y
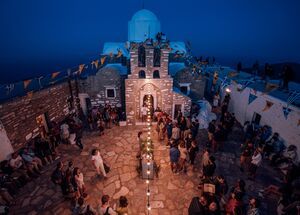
277, 68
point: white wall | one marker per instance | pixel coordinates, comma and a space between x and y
287, 128
5, 145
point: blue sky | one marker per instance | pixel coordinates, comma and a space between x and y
44, 36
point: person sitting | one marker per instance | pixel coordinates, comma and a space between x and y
19, 166
31, 159
123, 203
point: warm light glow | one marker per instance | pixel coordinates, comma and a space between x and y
147, 182
148, 172
228, 90
148, 193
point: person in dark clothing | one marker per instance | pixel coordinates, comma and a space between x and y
223, 111
58, 175
193, 152
209, 169
169, 128
195, 128
287, 76
198, 206
211, 130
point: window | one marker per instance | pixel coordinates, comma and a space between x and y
141, 56
110, 92
156, 74
156, 57
185, 88
142, 74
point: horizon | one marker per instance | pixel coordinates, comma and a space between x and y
40, 38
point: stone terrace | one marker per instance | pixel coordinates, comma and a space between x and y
170, 194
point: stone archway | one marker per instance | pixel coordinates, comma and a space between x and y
148, 89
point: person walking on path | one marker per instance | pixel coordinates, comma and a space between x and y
98, 162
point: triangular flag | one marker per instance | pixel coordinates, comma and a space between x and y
30, 94
81, 68
270, 87
251, 98
103, 60
268, 105
232, 74
286, 111
95, 63
119, 54
26, 83
54, 74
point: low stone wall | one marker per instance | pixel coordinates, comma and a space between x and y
19, 115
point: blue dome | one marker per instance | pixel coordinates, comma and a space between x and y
144, 15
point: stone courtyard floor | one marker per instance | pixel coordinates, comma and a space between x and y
170, 194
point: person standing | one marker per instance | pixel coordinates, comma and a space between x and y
105, 208
174, 158
98, 162
183, 155
254, 204
255, 162
193, 152
144, 113
78, 176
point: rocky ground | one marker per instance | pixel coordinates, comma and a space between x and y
170, 194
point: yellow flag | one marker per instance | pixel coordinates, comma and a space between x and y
268, 105
30, 94
270, 87
103, 60
81, 68
119, 54
232, 74
26, 83
95, 63
54, 74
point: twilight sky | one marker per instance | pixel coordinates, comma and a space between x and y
39, 37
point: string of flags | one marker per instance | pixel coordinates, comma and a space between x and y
46, 80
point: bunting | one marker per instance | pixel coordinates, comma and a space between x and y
81, 68
119, 54
54, 74
26, 83
270, 87
251, 98
286, 111
232, 74
95, 63
268, 105
103, 60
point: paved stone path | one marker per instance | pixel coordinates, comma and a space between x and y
170, 194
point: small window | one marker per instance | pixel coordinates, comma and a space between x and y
156, 74
142, 74
156, 57
184, 89
110, 92
141, 56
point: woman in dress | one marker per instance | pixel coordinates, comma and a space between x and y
98, 162
78, 177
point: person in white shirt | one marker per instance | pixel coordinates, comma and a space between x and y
98, 162
105, 207
183, 155
78, 176
65, 133
144, 113
255, 162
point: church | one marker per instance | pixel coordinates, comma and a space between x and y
149, 72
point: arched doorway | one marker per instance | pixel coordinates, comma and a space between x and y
148, 101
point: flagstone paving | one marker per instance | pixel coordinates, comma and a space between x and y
170, 194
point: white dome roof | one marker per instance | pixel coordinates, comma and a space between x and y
144, 15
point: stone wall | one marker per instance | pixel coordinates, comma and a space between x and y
95, 86
197, 83
19, 115
183, 100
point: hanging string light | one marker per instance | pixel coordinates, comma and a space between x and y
149, 155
